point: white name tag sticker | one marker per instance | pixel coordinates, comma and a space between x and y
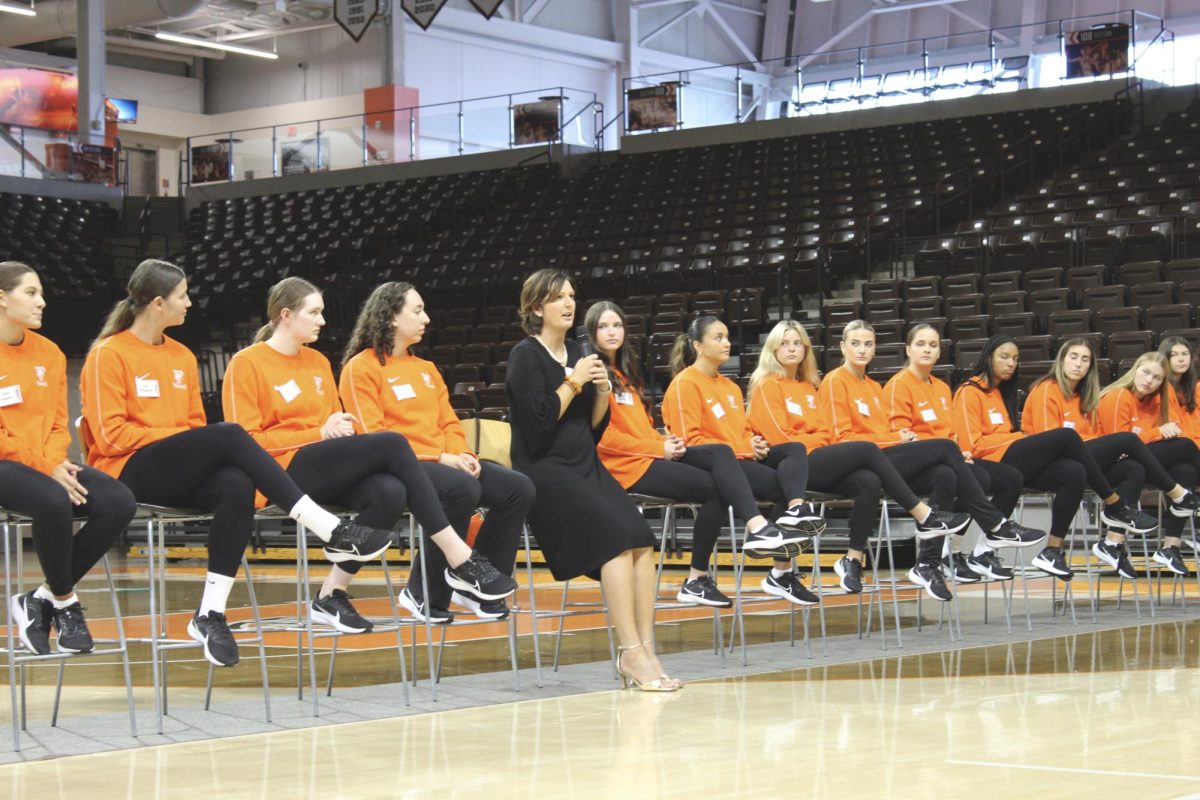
863, 408
624, 398
795, 408
404, 391
928, 414
288, 391
1068, 424
10, 396
996, 417
146, 387
1136, 429
718, 410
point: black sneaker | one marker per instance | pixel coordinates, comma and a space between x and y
73, 633
703, 591
353, 542
477, 576
849, 572
940, 523
929, 577
1172, 559
1052, 561
1115, 555
989, 565
1184, 507
1131, 520
955, 566
483, 609
338, 612
1012, 534
789, 588
32, 616
770, 541
415, 604
802, 518
212, 631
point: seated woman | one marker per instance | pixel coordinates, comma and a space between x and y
703, 407
584, 521
1054, 461
919, 402
37, 479
145, 426
1139, 402
283, 393
647, 462
389, 389
783, 408
854, 405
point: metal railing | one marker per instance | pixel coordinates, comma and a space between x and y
27, 152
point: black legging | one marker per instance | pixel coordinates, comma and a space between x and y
506, 495
1000, 482
215, 468
66, 556
1057, 461
860, 471
1181, 460
936, 467
781, 476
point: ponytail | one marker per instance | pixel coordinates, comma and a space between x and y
152, 279
264, 332
683, 354
289, 294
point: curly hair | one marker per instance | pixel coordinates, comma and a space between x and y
374, 328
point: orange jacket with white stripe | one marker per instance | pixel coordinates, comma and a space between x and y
922, 407
1121, 411
855, 409
981, 423
33, 403
405, 395
786, 410
704, 410
135, 394
630, 443
1047, 409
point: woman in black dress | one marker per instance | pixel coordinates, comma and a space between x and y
584, 521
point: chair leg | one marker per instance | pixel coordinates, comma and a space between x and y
258, 630
533, 615
123, 643
391, 590
420, 549
155, 620
302, 566
10, 639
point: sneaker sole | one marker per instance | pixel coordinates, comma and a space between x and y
1166, 562
784, 595
194, 632
410, 605
915, 577
998, 543
463, 586
1100, 554
23, 622
972, 578
72, 650
984, 572
770, 547
338, 557
1046, 567
1128, 527
841, 576
692, 600
475, 608
1183, 513
942, 531
813, 526
333, 621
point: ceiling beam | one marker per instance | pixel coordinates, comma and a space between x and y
729, 32
669, 23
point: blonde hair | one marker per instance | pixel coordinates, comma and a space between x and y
857, 325
768, 363
1126, 381
152, 279
289, 293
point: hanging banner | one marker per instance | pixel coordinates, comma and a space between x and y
652, 107
210, 162
422, 11
1099, 51
355, 16
536, 122
91, 163
487, 7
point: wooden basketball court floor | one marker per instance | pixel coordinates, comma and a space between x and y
1068, 710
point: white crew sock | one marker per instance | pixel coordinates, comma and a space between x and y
759, 527
42, 593
981, 546
315, 518
779, 573
216, 593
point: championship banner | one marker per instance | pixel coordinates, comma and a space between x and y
652, 107
422, 11
487, 7
210, 162
1100, 51
355, 16
536, 122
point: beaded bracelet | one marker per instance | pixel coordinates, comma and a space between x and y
575, 388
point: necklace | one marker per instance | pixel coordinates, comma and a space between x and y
562, 361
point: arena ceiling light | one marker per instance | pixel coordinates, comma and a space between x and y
215, 45
11, 8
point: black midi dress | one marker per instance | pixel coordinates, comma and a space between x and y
582, 518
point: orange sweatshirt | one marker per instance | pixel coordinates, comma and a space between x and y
784, 410
282, 401
135, 394
1122, 411
981, 424
854, 408
921, 406
630, 443
1189, 421
406, 395
704, 410
33, 403
1047, 409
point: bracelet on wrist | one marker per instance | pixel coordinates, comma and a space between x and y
575, 388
